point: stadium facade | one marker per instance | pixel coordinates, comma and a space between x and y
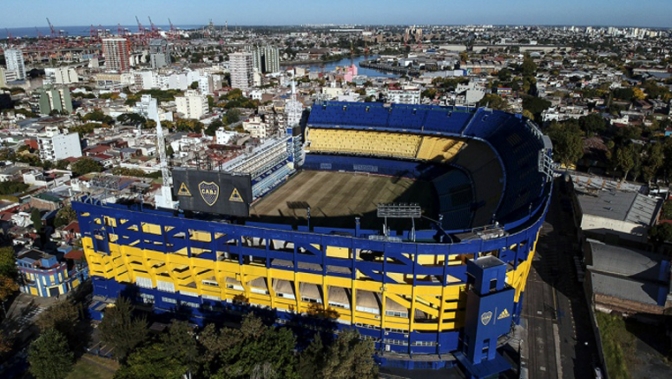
454, 287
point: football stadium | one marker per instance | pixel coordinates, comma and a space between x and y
415, 224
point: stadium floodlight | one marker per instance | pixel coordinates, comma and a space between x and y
399, 210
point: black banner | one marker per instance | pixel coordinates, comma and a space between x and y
213, 192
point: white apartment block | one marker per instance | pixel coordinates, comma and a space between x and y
224, 137
192, 104
14, 61
407, 95
242, 70
258, 128
60, 75
54, 145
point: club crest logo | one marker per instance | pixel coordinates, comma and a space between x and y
209, 192
486, 317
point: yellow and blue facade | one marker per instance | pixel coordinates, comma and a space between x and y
408, 297
43, 275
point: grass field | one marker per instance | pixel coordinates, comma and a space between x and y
618, 345
92, 367
336, 198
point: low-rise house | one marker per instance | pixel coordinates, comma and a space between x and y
43, 275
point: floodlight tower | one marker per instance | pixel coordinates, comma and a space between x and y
164, 199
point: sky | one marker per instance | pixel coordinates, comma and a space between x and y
32, 13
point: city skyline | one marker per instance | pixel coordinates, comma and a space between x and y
63, 13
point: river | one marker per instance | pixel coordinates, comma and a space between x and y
331, 66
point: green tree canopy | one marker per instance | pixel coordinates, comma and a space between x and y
64, 216
592, 124
13, 187
120, 329
131, 119
348, 357
86, 165
8, 262
152, 362
567, 142
98, 115
660, 233
49, 356
63, 318
627, 157
494, 101
535, 104
653, 161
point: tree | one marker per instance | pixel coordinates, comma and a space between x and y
494, 101
181, 344
528, 114
63, 318
64, 216
5, 343
8, 262
36, 218
194, 85
152, 362
535, 104
131, 119
567, 142
626, 158
504, 75
212, 128
232, 116
528, 67
120, 329
86, 165
49, 356
653, 161
592, 124
349, 357
7, 287
660, 233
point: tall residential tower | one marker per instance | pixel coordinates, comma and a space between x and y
14, 59
117, 54
242, 70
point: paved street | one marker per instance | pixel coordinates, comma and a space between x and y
554, 311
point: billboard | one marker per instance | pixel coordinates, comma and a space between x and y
213, 192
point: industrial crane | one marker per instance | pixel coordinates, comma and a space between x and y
54, 33
141, 29
153, 28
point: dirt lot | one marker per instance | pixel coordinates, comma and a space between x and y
341, 197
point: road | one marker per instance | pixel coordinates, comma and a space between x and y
560, 343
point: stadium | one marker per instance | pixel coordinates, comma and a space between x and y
416, 224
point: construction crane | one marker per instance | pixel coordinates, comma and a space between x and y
54, 33
39, 35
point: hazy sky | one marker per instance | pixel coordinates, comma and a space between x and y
31, 13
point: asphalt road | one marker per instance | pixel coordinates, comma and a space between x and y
560, 341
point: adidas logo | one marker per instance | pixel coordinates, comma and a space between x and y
504, 314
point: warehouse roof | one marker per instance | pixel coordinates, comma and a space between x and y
635, 264
631, 207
